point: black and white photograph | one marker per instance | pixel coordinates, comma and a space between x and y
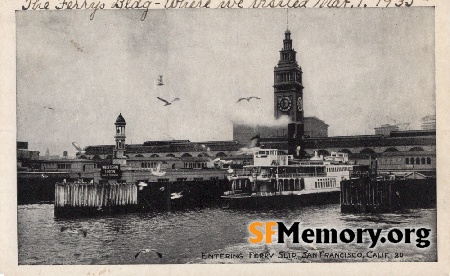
226, 136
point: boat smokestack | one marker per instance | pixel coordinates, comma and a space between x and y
295, 140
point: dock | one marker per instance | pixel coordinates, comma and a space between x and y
368, 195
79, 198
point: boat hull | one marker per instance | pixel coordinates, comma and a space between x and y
279, 201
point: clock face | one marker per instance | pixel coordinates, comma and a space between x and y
284, 104
299, 104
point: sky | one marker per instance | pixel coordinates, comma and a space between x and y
361, 68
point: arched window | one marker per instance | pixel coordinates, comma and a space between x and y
186, 155
367, 151
428, 160
407, 160
139, 155
346, 151
390, 150
411, 160
417, 160
170, 155
416, 149
221, 154
422, 160
154, 155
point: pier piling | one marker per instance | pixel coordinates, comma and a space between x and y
91, 198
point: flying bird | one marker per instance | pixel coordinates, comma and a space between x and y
51, 108
168, 103
157, 171
79, 149
70, 230
142, 185
176, 195
248, 99
76, 45
160, 80
148, 251
204, 147
215, 161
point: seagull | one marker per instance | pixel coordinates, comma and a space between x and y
248, 99
160, 80
148, 251
226, 162
49, 108
76, 45
73, 231
215, 161
176, 195
205, 147
157, 171
168, 103
142, 185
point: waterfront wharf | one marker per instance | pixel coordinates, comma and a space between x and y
369, 195
80, 198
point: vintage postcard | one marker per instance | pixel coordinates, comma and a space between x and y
197, 137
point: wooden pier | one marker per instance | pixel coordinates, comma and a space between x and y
367, 195
80, 198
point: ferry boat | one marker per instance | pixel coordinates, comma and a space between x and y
277, 180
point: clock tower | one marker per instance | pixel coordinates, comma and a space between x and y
288, 95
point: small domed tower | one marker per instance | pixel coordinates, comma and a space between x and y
119, 151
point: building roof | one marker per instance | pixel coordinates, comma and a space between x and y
314, 118
168, 147
120, 120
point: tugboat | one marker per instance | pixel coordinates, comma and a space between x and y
277, 180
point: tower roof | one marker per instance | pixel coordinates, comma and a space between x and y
120, 120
